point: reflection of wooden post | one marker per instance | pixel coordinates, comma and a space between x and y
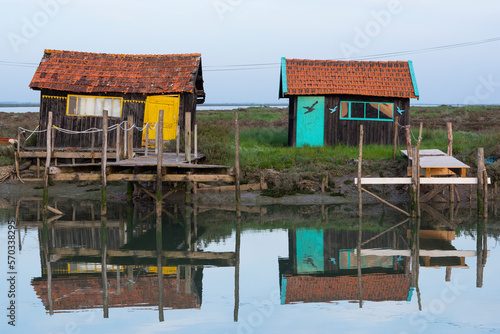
359, 258
415, 261
159, 249
237, 162
47, 164
187, 134
396, 125
479, 253
104, 158
360, 161
48, 265
448, 274
104, 269
237, 270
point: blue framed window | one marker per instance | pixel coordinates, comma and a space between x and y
372, 111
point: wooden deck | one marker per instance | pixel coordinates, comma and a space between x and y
434, 162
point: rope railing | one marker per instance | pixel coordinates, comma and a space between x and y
91, 130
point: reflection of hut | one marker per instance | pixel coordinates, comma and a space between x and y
328, 100
322, 267
430, 240
85, 292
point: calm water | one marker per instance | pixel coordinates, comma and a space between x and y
297, 271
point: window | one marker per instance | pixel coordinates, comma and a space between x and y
94, 105
376, 111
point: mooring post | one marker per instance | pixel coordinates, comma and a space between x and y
159, 161
177, 142
146, 146
482, 203
237, 162
360, 161
104, 158
47, 164
187, 134
408, 141
118, 142
396, 125
196, 140
414, 184
450, 153
130, 137
92, 146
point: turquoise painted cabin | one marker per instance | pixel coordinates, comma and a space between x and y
328, 100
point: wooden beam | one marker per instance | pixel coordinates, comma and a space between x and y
385, 202
430, 180
432, 193
68, 252
423, 252
142, 177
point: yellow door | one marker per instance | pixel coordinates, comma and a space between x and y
170, 107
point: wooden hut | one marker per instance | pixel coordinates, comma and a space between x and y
77, 86
328, 100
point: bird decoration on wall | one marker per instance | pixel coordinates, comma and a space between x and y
333, 110
311, 108
400, 111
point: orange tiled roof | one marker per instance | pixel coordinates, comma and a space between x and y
376, 287
74, 293
84, 72
369, 78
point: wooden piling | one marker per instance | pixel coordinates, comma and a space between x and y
450, 138
195, 140
146, 146
360, 161
482, 185
415, 171
237, 161
47, 164
118, 142
104, 204
187, 134
396, 126
408, 141
159, 161
177, 142
130, 137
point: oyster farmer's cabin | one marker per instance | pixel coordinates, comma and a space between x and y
328, 100
77, 86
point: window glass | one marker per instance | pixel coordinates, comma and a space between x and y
117, 104
94, 105
72, 105
372, 110
386, 110
90, 104
357, 110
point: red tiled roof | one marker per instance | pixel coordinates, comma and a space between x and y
376, 287
84, 72
372, 78
75, 293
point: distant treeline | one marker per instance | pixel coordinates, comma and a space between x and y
8, 105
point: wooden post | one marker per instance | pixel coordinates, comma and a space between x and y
92, 146
177, 144
480, 183
146, 146
159, 145
104, 204
130, 137
47, 164
324, 182
450, 138
408, 141
196, 140
118, 142
415, 171
237, 162
360, 161
396, 125
187, 135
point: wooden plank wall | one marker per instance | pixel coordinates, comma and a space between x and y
347, 131
60, 119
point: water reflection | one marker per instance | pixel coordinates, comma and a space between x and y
134, 257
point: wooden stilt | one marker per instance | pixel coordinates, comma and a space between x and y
47, 164
187, 134
408, 141
195, 140
159, 145
130, 137
450, 138
146, 144
481, 195
360, 161
104, 204
237, 160
177, 142
118, 143
396, 125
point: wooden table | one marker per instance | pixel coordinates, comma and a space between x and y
434, 162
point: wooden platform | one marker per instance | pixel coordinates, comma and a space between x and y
434, 162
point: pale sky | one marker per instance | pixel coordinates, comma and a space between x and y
243, 32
